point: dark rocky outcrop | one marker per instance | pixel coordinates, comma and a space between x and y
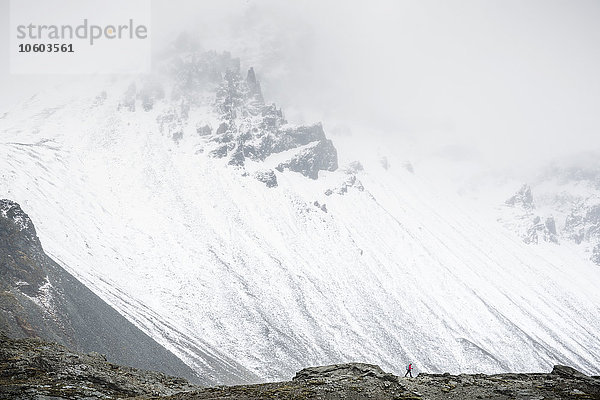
254, 130
267, 177
310, 160
38, 298
337, 372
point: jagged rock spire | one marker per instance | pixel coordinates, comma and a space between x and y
254, 86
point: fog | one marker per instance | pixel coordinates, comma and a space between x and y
510, 82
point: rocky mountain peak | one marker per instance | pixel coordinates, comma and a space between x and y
237, 123
251, 129
254, 86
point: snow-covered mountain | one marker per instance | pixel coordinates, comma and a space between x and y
245, 243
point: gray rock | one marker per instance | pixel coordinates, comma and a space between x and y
128, 99
204, 130
237, 157
566, 371
596, 254
551, 226
384, 163
311, 160
523, 198
354, 167
258, 130
220, 151
267, 177
150, 92
343, 371
177, 136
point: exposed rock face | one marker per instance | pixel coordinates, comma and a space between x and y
384, 163
581, 224
322, 207
312, 159
38, 298
535, 230
350, 182
354, 167
523, 198
596, 254
247, 127
267, 177
541, 231
32, 369
251, 129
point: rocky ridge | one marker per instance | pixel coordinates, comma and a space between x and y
33, 369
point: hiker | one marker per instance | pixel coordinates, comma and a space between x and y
409, 369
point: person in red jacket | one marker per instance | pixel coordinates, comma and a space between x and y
409, 369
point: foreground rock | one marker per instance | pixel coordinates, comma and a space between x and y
562, 383
33, 369
364, 381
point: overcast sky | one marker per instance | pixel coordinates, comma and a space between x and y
512, 79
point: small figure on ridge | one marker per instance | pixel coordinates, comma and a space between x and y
409, 369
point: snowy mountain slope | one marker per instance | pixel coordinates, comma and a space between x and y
230, 274
40, 299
